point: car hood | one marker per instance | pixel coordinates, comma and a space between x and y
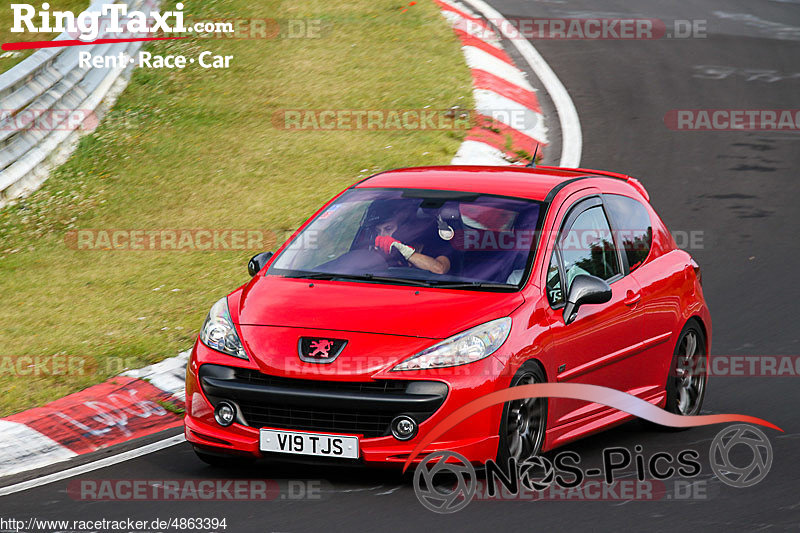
367, 307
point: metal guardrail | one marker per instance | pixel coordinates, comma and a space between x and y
48, 101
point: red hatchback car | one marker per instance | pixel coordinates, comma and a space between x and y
418, 290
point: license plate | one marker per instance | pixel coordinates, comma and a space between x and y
318, 444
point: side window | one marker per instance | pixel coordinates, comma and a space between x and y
554, 293
632, 226
588, 248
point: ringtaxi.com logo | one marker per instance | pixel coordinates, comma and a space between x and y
113, 19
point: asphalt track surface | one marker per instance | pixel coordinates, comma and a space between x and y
739, 189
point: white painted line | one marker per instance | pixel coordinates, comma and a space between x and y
169, 375
571, 136
477, 58
461, 7
23, 448
478, 153
95, 465
511, 113
471, 28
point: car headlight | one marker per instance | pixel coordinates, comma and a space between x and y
218, 332
465, 347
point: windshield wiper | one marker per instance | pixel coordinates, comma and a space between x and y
362, 277
312, 275
402, 281
471, 285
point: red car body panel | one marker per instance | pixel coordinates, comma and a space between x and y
387, 309
477, 439
506, 181
626, 344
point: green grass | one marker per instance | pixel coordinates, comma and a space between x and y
171, 407
197, 149
9, 59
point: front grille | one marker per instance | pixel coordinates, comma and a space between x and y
318, 419
350, 407
257, 378
325, 420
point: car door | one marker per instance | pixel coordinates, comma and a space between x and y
596, 347
658, 278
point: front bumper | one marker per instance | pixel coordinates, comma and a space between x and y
475, 438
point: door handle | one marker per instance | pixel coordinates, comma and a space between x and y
632, 298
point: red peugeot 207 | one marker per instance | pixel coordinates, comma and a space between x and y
417, 290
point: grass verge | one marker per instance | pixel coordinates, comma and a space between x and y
196, 148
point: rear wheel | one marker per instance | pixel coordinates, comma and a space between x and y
524, 421
686, 383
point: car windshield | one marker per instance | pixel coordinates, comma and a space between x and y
416, 237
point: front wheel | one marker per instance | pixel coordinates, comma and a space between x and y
524, 421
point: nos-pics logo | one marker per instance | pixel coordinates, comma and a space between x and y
445, 482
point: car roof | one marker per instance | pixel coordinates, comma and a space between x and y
518, 181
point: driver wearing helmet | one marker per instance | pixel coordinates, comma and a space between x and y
389, 238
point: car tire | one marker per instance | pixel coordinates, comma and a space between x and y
688, 373
523, 422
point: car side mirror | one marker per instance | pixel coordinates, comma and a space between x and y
585, 289
257, 262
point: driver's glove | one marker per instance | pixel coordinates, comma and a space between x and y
386, 243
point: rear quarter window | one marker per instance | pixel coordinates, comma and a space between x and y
633, 226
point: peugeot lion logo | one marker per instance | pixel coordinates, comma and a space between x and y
319, 350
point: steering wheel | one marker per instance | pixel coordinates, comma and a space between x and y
361, 260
